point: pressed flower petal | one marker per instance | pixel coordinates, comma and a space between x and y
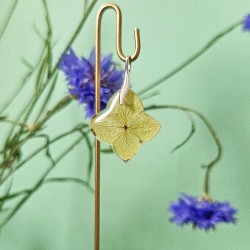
144, 126
127, 145
124, 126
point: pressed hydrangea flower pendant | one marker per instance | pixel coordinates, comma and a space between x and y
124, 124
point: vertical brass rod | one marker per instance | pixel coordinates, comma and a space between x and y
97, 96
97, 143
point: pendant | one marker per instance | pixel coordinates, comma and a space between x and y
124, 126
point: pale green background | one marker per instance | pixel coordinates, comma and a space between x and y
135, 195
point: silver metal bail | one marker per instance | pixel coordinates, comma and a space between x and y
126, 82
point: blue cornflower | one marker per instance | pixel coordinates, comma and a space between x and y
246, 23
80, 74
201, 212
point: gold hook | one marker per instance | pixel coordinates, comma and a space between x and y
118, 30
97, 95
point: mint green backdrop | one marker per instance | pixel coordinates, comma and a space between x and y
135, 195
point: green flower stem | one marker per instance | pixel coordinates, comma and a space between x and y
199, 53
39, 182
85, 6
70, 179
49, 38
191, 133
31, 106
49, 143
47, 99
16, 92
217, 141
8, 20
15, 141
15, 144
48, 181
75, 35
16, 123
22, 84
13, 195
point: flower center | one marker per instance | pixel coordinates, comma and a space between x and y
125, 127
208, 214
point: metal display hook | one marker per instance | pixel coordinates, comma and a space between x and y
97, 94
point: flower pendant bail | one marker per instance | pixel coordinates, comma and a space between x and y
126, 81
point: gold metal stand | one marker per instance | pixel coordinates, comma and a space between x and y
97, 95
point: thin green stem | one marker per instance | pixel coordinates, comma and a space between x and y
85, 6
49, 181
40, 149
35, 98
74, 36
39, 182
47, 99
150, 95
49, 38
195, 56
41, 83
6, 194
16, 92
70, 179
22, 84
76, 33
14, 195
191, 133
15, 123
16, 143
212, 131
8, 19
